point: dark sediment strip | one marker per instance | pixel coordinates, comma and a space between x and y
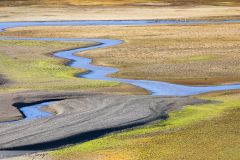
3, 80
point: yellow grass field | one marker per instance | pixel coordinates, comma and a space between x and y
193, 55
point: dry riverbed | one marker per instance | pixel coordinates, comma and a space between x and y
215, 124
9, 110
81, 117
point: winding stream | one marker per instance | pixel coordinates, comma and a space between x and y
101, 72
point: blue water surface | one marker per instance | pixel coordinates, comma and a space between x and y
34, 111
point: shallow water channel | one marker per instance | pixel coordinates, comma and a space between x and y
101, 72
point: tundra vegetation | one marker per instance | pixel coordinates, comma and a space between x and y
28, 65
186, 54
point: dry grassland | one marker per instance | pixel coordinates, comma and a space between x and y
195, 55
47, 13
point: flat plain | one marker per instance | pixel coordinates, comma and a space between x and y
201, 54
183, 54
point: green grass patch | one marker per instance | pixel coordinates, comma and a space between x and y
39, 71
